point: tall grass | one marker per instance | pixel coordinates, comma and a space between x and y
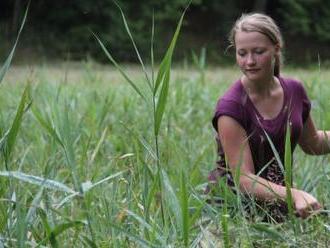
112, 164
159, 88
94, 165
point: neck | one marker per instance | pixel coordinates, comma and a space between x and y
263, 87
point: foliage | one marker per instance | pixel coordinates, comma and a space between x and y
308, 18
82, 168
119, 202
67, 25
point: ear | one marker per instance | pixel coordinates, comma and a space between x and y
277, 49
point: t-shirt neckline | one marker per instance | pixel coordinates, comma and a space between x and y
260, 117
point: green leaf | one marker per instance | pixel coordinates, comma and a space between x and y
98, 146
142, 141
47, 183
171, 198
88, 241
288, 170
271, 233
57, 230
146, 225
33, 207
134, 45
166, 62
132, 236
45, 123
113, 61
160, 108
163, 78
88, 185
47, 227
277, 156
7, 63
7, 142
152, 50
184, 209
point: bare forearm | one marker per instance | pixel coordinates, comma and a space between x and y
268, 191
262, 188
324, 142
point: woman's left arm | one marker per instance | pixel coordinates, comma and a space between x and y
313, 141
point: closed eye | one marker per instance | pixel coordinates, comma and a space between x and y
259, 51
241, 53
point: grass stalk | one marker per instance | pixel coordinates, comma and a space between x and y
184, 209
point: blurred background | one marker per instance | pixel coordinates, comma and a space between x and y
61, 29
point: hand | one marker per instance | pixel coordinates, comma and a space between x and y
304, 203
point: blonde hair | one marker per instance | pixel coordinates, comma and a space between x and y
256, 22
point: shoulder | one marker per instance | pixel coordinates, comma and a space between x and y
233, 96
231, 104
295, 86
291, 82
234, 93
233, 99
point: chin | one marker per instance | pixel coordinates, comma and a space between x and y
253, 77
256, 76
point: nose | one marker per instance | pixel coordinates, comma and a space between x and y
250, 59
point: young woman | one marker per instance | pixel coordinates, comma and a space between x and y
260, 102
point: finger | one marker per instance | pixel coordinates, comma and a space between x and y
302, 213
315, 206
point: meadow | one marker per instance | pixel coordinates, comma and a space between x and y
81, 167
101, 156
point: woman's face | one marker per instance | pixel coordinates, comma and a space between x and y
255, 55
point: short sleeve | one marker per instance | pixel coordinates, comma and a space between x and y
306, 104
229, 108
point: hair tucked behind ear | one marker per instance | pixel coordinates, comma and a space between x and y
256, 22
278, 63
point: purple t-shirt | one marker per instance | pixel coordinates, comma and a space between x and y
237, 104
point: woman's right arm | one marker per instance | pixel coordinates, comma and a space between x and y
236, 147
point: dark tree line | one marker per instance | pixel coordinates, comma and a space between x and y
63, 28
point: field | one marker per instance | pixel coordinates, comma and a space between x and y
81, 165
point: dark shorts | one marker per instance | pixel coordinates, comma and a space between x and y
270, 211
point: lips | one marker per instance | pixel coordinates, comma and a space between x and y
252, 70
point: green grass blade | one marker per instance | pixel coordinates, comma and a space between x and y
288, 170
133, 237
160, 108
166, 62
47, 227
146, 225
47, 183
59, 229
89, 242
68, 141
142, 141
24, 105
134, 45
163, 78
184, 209
171, 198
164, 65
113, 61
98, 146
152, 50
33, 208
269, 232
202, 58
88, 185
7, 63
47, 125
277, 156
224, 214
153, 190
21, 225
